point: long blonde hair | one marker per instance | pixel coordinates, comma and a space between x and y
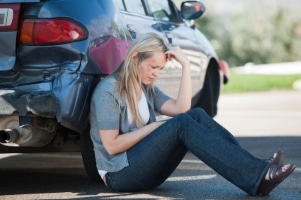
129, 83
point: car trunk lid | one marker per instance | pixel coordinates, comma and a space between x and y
9, 19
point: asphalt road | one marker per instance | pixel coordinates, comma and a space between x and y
263, 123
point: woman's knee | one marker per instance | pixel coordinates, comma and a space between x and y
197, 111
183, 118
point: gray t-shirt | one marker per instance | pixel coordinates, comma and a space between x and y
107, 114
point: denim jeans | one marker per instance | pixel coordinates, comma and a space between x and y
153, 159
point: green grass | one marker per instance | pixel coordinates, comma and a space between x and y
239, 83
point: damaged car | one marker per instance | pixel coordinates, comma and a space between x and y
54, 52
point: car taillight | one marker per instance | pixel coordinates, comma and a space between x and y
225, 69
50, 31
9, 15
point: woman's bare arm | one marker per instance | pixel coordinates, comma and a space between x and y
182, 103
115, 143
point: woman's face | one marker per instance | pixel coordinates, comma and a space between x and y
150, 68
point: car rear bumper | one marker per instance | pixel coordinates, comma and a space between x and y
42, 104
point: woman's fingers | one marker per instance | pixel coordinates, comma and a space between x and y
177, 54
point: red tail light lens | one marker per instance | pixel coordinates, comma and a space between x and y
50, 31
225, 69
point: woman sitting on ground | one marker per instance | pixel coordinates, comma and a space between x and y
134, 152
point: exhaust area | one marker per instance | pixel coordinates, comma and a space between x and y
26, 131
8, 136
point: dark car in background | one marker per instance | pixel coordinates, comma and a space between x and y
53, 53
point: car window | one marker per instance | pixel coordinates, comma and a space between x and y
119, 4
160, 9
134, 6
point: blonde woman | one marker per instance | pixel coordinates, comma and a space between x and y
134, 152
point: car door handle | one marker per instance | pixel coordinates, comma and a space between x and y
168, 35
131, 28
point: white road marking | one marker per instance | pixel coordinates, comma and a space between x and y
191, 178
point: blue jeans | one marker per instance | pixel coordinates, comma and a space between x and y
154, 158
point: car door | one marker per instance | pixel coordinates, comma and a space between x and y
163, 18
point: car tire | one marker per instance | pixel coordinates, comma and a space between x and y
88, 157
207, 98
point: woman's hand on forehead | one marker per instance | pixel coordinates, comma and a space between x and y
177, 54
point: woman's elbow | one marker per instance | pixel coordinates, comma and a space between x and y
111, 150
184, 109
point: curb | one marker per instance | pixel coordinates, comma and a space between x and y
287, 68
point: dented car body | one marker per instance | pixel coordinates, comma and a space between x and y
53, 53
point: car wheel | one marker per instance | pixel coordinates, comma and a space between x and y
88, 157
207, 98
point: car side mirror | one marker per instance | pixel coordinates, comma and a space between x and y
192, 9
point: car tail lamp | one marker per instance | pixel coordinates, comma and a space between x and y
9, 14
225, 69
50, 31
